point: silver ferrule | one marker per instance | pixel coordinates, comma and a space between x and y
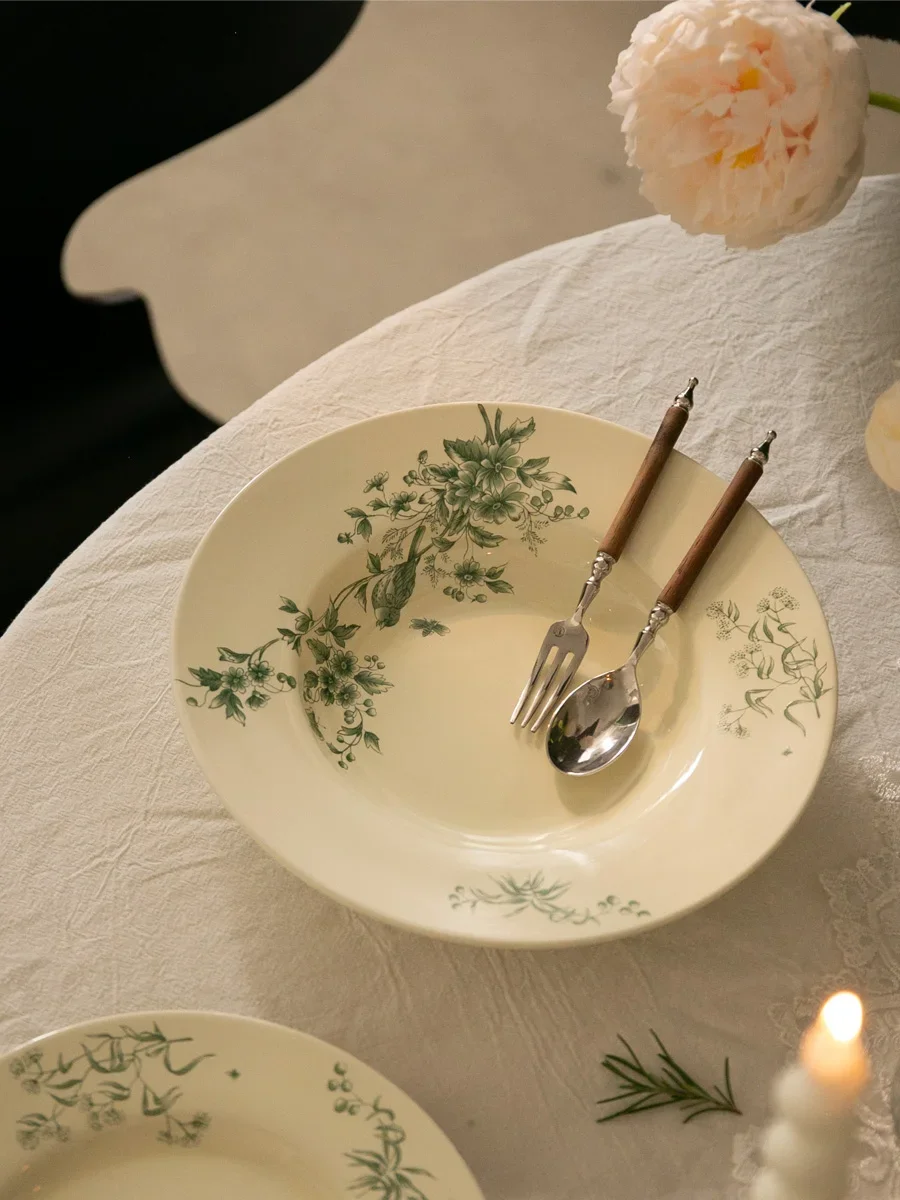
659, 614
760, 454
685, 399
600, 568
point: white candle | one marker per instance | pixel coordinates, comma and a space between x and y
806, 1151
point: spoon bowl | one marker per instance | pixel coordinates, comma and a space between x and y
596, 722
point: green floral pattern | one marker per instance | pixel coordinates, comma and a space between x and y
248, 681
433, 529
786, 664
381, 1170
534, 894
113, 1072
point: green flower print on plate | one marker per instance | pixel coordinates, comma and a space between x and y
379, 1170
534, 894
431, 530
785, 663
109, 1077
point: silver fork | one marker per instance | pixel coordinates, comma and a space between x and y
569, 639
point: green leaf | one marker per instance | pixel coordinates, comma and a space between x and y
68, 1083
209, 679
793, 720
320, 651
288, 605
310, 679
65, 1101
767, 632
360, 594
442, 473
314, 724
754, 699
517, 431
373, 561
553, 480
481, 537
155, 1106
330, 619
356, 513
371, 740
442, 544
494, 572
462, 451
294, 640
304, 622
192, 701
226, 655
95, 1064
231, 702
343, 633
364, 528
188, 1067
498, 585
370, 681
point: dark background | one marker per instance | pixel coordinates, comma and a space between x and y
94, 93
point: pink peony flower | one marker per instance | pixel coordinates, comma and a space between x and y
745, 116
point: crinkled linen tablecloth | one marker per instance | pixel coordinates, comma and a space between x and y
125, 884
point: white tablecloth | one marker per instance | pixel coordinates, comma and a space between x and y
125, 885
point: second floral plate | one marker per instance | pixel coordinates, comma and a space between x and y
207, 1106
354, 629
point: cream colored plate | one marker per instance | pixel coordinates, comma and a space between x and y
367, 745
196, 1106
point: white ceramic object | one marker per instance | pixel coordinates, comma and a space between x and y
199, 1106
465, 531
883, 437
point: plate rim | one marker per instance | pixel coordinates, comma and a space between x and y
132, 1017
490, 939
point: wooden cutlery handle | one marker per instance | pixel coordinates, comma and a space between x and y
632, 506
746, 478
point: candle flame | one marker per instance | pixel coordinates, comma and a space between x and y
843, 1016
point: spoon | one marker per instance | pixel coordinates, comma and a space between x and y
598, 721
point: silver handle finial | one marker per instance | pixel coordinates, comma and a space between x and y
685, 399
760, 454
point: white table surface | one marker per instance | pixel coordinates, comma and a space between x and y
125, 885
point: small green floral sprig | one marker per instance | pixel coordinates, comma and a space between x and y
783, 662
380, 1171
100, 1082
250, 680
534, 893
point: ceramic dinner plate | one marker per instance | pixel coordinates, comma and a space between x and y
355, 628
196, 1106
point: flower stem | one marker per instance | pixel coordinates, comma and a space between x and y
885, 100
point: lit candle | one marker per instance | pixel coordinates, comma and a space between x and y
806, 1151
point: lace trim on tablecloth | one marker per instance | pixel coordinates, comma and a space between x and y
864, 898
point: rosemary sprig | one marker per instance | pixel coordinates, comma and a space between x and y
673, 1085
